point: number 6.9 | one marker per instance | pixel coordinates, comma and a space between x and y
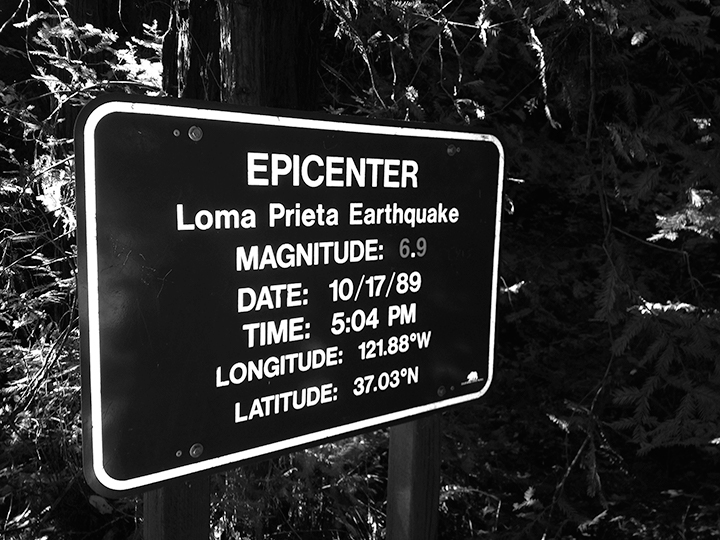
420, 248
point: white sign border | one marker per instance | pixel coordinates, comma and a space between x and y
93, 284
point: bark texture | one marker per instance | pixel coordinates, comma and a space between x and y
244, 52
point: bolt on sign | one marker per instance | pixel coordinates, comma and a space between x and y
257, 282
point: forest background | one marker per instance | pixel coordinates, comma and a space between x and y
604, 417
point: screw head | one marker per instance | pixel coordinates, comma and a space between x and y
441, 391
452, 150
195, 133
196, 450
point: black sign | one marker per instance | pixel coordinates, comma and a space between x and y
254, 283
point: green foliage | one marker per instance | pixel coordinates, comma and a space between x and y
331, 491
609, 114
62, 67
677, 364
701, 215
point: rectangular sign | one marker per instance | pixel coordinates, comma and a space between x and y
253, 283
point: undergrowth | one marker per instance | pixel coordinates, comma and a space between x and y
603, 419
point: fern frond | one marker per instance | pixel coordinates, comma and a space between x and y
642, 410
569, 510
639, 436
655, 349
624, 424
665, 433
686, 410
700, 343
644, 184
634, 327
606, 297
616, 137
686, 29
627, 396
594, 486
708, 403
626, 93
665, 360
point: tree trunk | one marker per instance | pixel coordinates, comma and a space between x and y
244, 52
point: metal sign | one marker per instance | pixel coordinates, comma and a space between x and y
253, 283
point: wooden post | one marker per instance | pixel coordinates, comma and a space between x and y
414, 480
178, 511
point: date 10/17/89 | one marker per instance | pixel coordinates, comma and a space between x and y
376, 286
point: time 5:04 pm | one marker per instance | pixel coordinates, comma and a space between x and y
355, 322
